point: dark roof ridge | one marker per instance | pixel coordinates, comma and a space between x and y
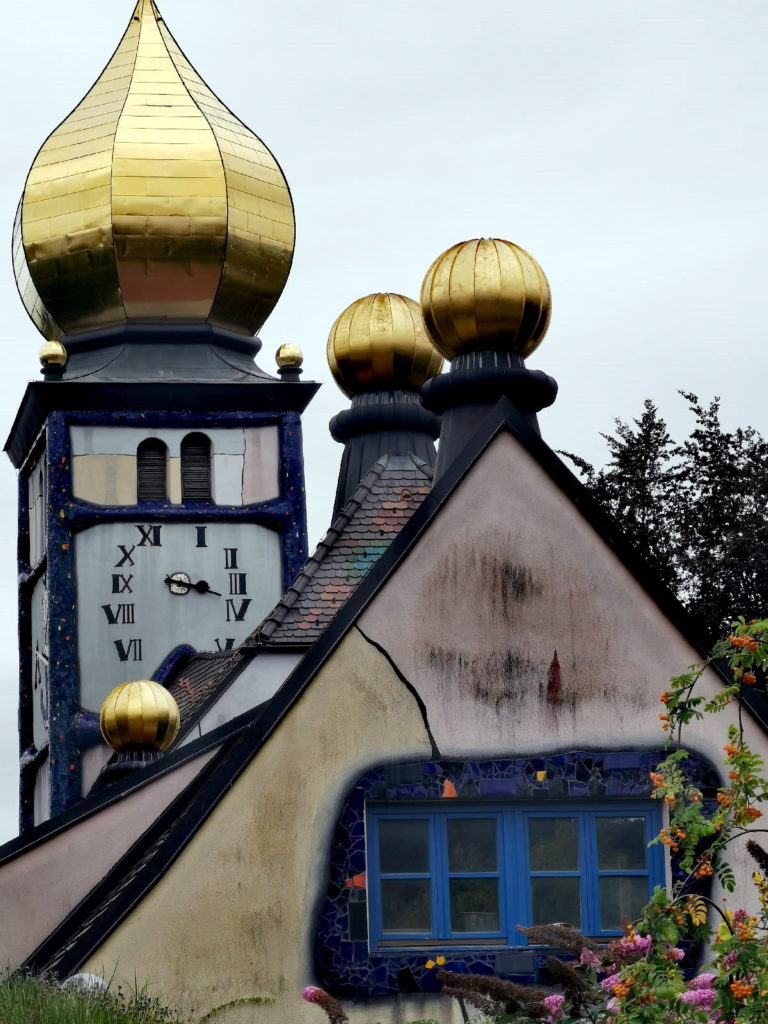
276, 617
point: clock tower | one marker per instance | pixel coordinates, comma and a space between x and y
160, 469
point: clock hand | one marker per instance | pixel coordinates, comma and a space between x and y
177, 580
182, 581
202, 587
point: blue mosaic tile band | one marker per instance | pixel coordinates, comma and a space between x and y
346, 967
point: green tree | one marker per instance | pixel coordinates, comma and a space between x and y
696, 511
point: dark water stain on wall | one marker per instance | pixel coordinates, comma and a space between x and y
481, 577
497, 678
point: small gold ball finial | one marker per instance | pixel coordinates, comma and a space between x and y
53, 357
289, 355
486, 294
139, 715
380, 343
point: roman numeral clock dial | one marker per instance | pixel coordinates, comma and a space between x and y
145, 588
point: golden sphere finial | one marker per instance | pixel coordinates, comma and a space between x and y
486, 294
53, 356
289, 355
140, 715
380, 343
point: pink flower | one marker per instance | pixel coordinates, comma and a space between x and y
674, 953
331, 1007
555, 1006
588, 958
702, 981
637, 944
610, 981
701, 998
740, 915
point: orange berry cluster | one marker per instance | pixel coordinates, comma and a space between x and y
750, 813
741, 989
622, 988
705, 869
670, 837
744, 641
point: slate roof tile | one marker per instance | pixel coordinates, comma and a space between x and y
377, 511
199, 678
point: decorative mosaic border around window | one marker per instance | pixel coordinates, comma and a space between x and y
345, 965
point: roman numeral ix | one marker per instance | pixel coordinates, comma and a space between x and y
121, 584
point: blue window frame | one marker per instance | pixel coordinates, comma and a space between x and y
468, 874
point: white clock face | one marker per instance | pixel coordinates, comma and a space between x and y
144, 588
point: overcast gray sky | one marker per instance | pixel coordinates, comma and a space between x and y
622, 142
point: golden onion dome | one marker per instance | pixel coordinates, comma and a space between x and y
486, 294
380, 343
141, 714
152, 203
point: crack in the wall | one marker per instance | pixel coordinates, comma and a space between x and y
436, 755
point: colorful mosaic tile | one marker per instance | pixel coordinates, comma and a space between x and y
346, 966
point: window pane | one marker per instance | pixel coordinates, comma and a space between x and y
403, 846
405, 905
553, 844
621, 843
474, 904
150, 469
556, 901
621, 900
196, 468
471, 844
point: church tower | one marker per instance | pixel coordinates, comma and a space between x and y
161, 481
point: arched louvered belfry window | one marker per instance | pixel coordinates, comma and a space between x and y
196, 468
151, 458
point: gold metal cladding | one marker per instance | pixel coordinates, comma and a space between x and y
380, 342
140, 714
289, 355
152, 202
486, 294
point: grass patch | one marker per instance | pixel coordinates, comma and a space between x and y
40, 1001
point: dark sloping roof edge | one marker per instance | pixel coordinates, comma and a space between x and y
117, 791
260, 724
